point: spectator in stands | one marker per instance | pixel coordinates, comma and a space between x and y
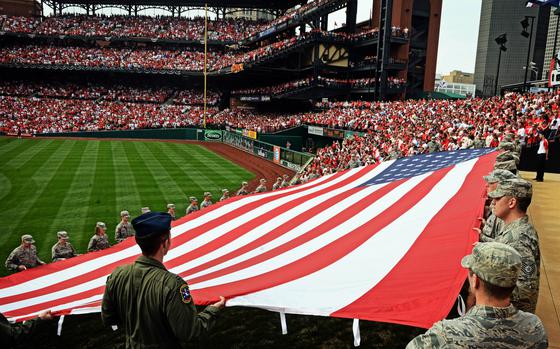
24, 256
99, 241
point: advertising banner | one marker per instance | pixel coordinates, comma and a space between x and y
314, 130
276, 151
213, 135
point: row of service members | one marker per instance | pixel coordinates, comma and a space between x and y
25, 255
281, 182
504, 272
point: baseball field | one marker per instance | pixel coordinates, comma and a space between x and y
48, 185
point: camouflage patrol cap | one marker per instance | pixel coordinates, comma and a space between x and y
27, 238
62, 235
207, 193
101, 225
506, 146
192, 198
498, 176
225, 191
170, 206
125, 213
495, 263
244, 183
145, 209
285, 176
515, 187
506, 165
507, 156
263, 180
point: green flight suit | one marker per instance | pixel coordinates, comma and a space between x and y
12, 334
153, 306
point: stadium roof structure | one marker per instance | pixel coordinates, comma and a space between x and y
265, 4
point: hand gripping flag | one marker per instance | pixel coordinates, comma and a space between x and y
381, 242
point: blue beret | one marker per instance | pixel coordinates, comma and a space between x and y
152, 223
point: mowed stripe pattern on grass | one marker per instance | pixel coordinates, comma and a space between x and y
51, 185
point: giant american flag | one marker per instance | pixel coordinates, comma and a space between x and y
380, 242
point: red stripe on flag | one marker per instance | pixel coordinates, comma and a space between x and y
430, 274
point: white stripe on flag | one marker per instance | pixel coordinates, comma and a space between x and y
361, 270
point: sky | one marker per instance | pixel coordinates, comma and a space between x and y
458, 32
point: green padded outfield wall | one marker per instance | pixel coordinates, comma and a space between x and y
174, 133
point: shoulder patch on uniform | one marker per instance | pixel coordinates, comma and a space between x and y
185, 293
527, 266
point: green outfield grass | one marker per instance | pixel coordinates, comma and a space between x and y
51, 185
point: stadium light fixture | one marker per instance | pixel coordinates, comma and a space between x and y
501, 40
525, 24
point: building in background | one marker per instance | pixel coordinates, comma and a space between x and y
504, 16
27, 8
553, 26
456, 88
457, 76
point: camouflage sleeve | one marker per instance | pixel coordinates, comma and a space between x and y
54, 253
92, 246
433, 338
118, 233
109, 315
484, 238
12, 334
12, 262
526, 292
185, 323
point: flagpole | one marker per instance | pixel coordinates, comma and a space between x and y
205, 60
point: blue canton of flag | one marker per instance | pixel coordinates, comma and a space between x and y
413, 166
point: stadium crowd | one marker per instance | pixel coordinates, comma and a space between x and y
170, 28
109, 93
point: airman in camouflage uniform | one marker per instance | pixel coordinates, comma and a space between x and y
285, 181
193, 207
493, 322
171, 210
506, 165
518, 233
207, 200
508, 156
124, 228
493, 224
63, 249
278, 184
478, 143
433, 146
225, 195
262, 186
24, 256
99, 241
243, 190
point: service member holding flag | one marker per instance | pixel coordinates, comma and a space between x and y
153, 306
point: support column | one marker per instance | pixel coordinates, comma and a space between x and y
351, 13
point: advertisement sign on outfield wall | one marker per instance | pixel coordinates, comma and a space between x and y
314, 130
276, 157
213, 135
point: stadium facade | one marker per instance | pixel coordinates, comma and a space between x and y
504, 16
341, 65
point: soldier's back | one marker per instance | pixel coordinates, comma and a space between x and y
486, 327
